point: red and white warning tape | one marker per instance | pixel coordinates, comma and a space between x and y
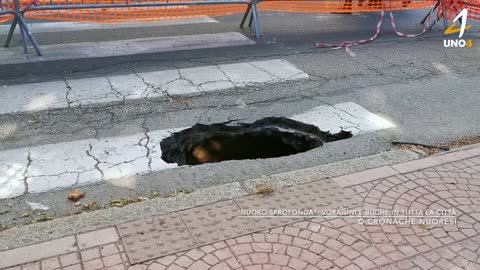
348, 44
400, 34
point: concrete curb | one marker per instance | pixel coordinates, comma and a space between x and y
406, 167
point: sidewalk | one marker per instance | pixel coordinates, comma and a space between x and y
215, 236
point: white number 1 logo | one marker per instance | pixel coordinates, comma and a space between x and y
463, 17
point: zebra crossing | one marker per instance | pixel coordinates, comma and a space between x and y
68, 164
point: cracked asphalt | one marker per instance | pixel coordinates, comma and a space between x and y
429, 92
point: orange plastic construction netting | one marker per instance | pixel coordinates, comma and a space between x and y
344, 6
453, 7
179, 11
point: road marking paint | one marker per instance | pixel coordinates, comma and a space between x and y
13, 166
86, 50
94, 160
344, 116
198, 80
49, 27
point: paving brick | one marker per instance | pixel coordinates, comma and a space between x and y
415, 165
73, 267
364, 176
69, 259
195, 254
108, 250
242, 249
216, 222
325, 264
31, 266
90, 254
13, 268
422, 262
279, 259
116, 267
97, 238
259, 258
167, 260
223, 254
170, 235
210, 259
112, 260
262, 247
184, 261
50, 263
37, 252
93, 264
200, 265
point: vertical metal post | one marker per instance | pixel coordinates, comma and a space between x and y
245, 15
11, 31
28, 32
424, 20
250, 22
256, 22
22, 32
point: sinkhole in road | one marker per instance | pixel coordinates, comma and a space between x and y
265, 138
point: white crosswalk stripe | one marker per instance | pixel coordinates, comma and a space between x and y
77, 92
93, 160
87, 50
51, 27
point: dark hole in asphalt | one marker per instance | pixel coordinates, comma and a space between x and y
266, 138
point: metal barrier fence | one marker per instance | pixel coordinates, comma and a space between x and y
115, 11
111, 11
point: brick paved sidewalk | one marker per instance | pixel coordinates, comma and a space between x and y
215, 236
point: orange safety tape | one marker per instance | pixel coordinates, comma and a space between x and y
6, 18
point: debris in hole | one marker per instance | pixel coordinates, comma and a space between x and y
75, 195
436, 148
263, 188
38, 206
126, 201
266, 138
3, 227
89, 206
422, 148
180, 191
465, 141
24, 215
45, 217
154, 195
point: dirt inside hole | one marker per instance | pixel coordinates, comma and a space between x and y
266, 138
